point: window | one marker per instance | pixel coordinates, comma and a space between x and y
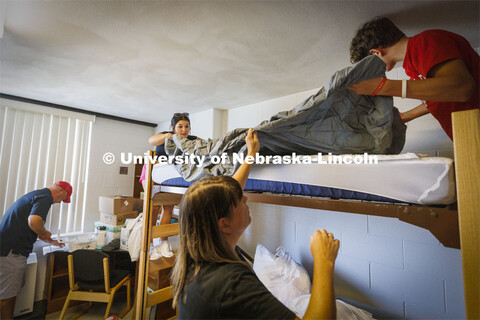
39, 146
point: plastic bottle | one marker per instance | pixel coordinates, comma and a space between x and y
101, 236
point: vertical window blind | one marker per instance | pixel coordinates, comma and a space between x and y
39, 146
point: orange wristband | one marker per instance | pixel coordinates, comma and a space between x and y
379, 87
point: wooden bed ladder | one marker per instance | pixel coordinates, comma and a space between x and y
144, 300
466, 143
163, 294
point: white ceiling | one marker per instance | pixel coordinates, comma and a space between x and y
144, 60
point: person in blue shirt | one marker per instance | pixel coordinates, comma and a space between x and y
21, 224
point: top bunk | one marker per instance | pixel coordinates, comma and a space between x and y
415, 189
405, 178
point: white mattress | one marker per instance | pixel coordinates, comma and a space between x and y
405, 177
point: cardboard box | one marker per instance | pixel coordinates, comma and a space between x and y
137, 204
115, 204
117, 219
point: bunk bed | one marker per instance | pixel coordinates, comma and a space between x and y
456, 227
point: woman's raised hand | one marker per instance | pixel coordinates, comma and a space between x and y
324, 247
253, 145
324, 250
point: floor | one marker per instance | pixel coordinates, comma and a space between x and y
98, 309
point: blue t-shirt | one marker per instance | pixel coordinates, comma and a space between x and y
15, 233
160, 150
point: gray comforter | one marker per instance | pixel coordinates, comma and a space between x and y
334, 120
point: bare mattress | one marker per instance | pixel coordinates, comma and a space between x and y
408, 178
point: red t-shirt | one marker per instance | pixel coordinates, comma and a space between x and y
431, 47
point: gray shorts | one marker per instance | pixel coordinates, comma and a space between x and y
12, 275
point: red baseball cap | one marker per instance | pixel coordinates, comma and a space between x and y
67, 187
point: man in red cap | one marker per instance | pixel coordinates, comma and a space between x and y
21, 224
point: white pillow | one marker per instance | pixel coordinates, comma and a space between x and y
282, 276
289, 282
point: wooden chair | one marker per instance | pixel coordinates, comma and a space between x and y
95, 281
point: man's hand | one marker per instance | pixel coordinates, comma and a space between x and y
414, 113
45, 236
56, 243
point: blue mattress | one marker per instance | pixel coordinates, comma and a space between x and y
287, 188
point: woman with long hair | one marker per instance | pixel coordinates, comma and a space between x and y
211, 281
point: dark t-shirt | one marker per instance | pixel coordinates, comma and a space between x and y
15, 233
230, 291
160, 150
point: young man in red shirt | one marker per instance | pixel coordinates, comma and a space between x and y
444, 64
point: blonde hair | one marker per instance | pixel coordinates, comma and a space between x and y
201, 240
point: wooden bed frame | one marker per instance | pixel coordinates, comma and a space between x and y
455, 228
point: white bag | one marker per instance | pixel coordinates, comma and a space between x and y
289, 282
282, 276
135, 228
